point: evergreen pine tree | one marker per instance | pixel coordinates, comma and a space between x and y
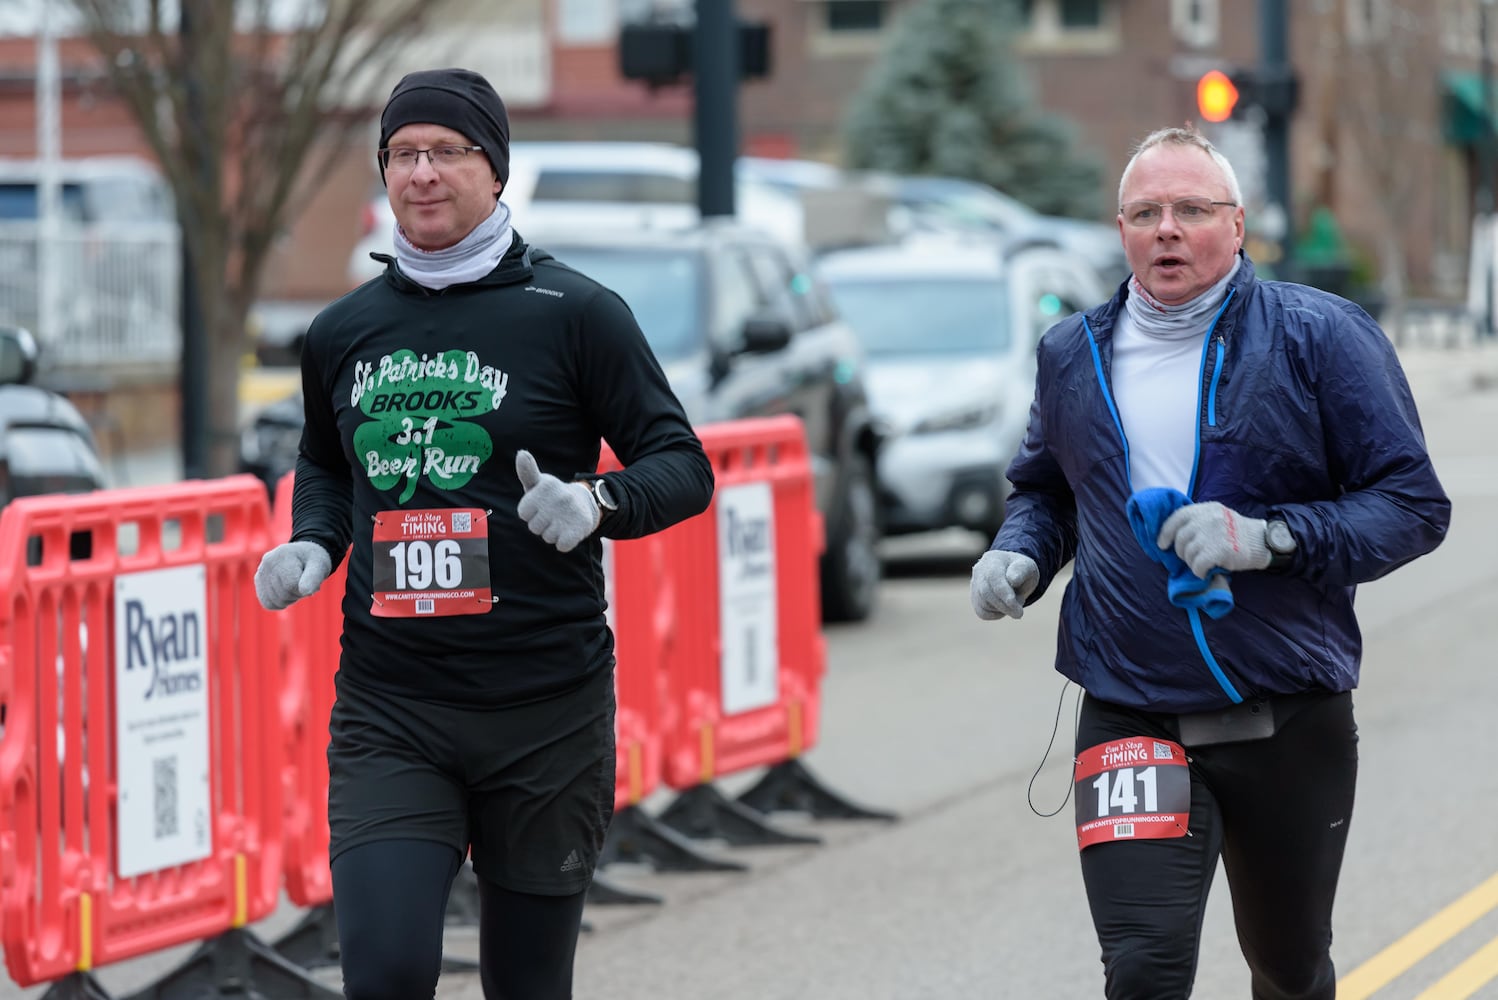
947, 98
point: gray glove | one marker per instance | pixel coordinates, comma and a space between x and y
563, 514
291, 572
1209, 536
1001, 583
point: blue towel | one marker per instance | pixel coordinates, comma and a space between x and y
1147, 510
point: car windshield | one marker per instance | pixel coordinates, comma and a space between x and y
925, 317
663, 288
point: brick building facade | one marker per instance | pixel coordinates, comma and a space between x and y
1373, 139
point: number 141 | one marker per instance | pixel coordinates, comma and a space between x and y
1121, 798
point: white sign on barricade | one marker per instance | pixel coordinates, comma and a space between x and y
161, 719
746, 597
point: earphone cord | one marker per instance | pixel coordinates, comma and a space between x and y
1030, 790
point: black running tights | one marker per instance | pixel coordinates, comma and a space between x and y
390, 897
1275, 811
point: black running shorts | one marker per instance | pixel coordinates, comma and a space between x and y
528, 788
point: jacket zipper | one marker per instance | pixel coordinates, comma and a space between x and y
1192, 614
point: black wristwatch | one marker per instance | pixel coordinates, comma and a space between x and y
1280, 542
602, 495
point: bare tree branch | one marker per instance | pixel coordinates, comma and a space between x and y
244, 114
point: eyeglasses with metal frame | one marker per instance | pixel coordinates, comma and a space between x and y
403, 159
1187, 211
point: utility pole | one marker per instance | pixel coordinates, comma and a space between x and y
193, 377
1275, 56
49, 185
1484, 199
715, 79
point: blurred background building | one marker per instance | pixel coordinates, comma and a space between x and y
1385, 140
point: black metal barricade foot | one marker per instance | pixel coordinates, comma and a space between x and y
604, 892
636, 836
790, 787
704, 812
77, 986
313, 942
236, 964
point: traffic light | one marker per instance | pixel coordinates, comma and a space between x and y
1222, 95
1216, 96
660, 52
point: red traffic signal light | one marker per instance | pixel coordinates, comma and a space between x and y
1216, 96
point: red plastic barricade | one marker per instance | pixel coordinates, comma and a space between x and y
310, 645
642, 612
747, 654
140, 798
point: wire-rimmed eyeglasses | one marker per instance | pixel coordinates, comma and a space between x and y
1187, 211
403, 159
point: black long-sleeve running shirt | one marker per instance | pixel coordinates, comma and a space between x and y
418, 401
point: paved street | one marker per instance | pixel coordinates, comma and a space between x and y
971, 895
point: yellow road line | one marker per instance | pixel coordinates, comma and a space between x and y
1397, 959
1467, 978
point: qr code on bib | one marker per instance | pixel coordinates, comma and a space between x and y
425, 606
462, 521
1123, 830
164, 795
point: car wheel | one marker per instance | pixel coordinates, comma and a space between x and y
850, 566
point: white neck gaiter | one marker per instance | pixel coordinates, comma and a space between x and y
469, 259
1189, 319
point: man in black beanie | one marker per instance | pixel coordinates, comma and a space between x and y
458, 98
475, 683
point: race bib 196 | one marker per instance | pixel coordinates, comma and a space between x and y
431, 562
1134, 788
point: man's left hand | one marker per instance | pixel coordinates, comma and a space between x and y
1209, 536
563, 514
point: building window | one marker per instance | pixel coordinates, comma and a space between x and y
855, 15
853, 28
1195, 22
1081, 14
1069, 25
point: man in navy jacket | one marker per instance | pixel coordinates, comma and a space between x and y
1224, 459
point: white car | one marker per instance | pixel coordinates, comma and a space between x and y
575, 186
950, 328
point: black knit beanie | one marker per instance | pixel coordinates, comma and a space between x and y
459, 99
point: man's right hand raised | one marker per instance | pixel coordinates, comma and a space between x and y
291, 572
1001, 583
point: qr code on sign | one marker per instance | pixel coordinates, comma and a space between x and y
164, 795
462, 521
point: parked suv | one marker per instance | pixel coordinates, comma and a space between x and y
742, 330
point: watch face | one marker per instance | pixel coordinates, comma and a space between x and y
1279, 538
605, 498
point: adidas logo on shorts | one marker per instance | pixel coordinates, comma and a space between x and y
573, 862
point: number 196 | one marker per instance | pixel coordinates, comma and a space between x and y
418, 563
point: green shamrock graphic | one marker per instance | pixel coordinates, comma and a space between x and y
419, 405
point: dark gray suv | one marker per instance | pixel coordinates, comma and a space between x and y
742, 329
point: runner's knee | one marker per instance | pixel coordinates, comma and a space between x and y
1141, 970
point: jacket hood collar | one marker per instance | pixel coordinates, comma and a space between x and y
514, 268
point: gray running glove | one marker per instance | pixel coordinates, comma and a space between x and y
1209, 536
563, 514
1001, 583
291, 572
